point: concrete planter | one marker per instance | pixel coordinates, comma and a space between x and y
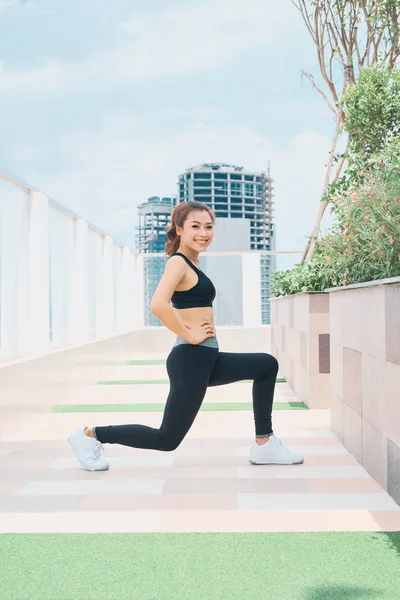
365, 370
300, 342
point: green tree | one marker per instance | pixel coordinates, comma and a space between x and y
349, 35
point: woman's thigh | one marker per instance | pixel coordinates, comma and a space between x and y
237, 366
189, 368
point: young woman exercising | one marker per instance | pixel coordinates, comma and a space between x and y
195, 362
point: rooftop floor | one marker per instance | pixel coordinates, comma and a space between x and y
206, 486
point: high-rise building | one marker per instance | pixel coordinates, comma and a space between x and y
154, 216
234, 193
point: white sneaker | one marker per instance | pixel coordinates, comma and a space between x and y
273, 452
87, 451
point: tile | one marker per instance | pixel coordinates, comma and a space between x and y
375, 453
234, 486
335, 319
190, 521
19, 459
374, 501
337, 417
392, 400
374, 409
86, 488
75, 522
387, 520
352, 379
336, 360
319, 303
161, 502
319, 323
197, 472
392, 323
319, 391
344, 486
393, 470
336, 450
291, 313
301, 471
9, 475
206, 461
316, 433
4, 453
126, 462
351, 319
283, 338
372, 302
11, 486
352, 432
324, 352
303, 350
346, 460
302, 312
291, 377
35, 504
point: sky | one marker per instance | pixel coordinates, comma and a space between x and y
103, 104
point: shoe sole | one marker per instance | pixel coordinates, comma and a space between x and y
299, 462
105, 468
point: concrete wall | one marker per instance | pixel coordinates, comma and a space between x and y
365, 371
230, 235
300, 341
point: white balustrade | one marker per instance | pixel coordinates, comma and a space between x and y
63, 282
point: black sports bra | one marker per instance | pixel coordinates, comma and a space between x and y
200, 295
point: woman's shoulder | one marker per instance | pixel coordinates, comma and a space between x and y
176, 262
179, 258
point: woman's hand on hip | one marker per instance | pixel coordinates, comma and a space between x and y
201, 332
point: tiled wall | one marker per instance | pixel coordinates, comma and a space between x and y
365, 369
300, 342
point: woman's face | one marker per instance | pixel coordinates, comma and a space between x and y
197, 231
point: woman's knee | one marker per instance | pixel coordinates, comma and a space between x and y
271, 363
169, 443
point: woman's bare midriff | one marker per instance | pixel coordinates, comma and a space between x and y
195, 316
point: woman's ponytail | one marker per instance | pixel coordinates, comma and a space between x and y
173, 240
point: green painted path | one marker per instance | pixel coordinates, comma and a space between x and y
158, 381
159, 407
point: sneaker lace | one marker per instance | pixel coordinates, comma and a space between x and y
97, 449
277, 440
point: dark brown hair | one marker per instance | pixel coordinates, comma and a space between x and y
178, 217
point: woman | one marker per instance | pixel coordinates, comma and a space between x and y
195, 361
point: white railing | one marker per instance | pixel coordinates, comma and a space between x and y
64, 282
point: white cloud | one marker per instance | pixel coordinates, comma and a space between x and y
172, 41
119, 167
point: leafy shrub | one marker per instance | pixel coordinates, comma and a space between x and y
364, 243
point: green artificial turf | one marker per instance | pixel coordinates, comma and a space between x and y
201, 566
159, 407
156, 381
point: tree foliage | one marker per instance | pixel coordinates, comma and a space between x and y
349, 36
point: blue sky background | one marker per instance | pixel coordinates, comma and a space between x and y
104, 103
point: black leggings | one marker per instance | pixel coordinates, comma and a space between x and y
191, 369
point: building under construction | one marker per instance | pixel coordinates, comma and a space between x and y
154, 216
234, 193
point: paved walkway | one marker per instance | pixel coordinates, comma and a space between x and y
206, 485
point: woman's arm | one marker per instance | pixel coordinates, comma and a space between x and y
160, 304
